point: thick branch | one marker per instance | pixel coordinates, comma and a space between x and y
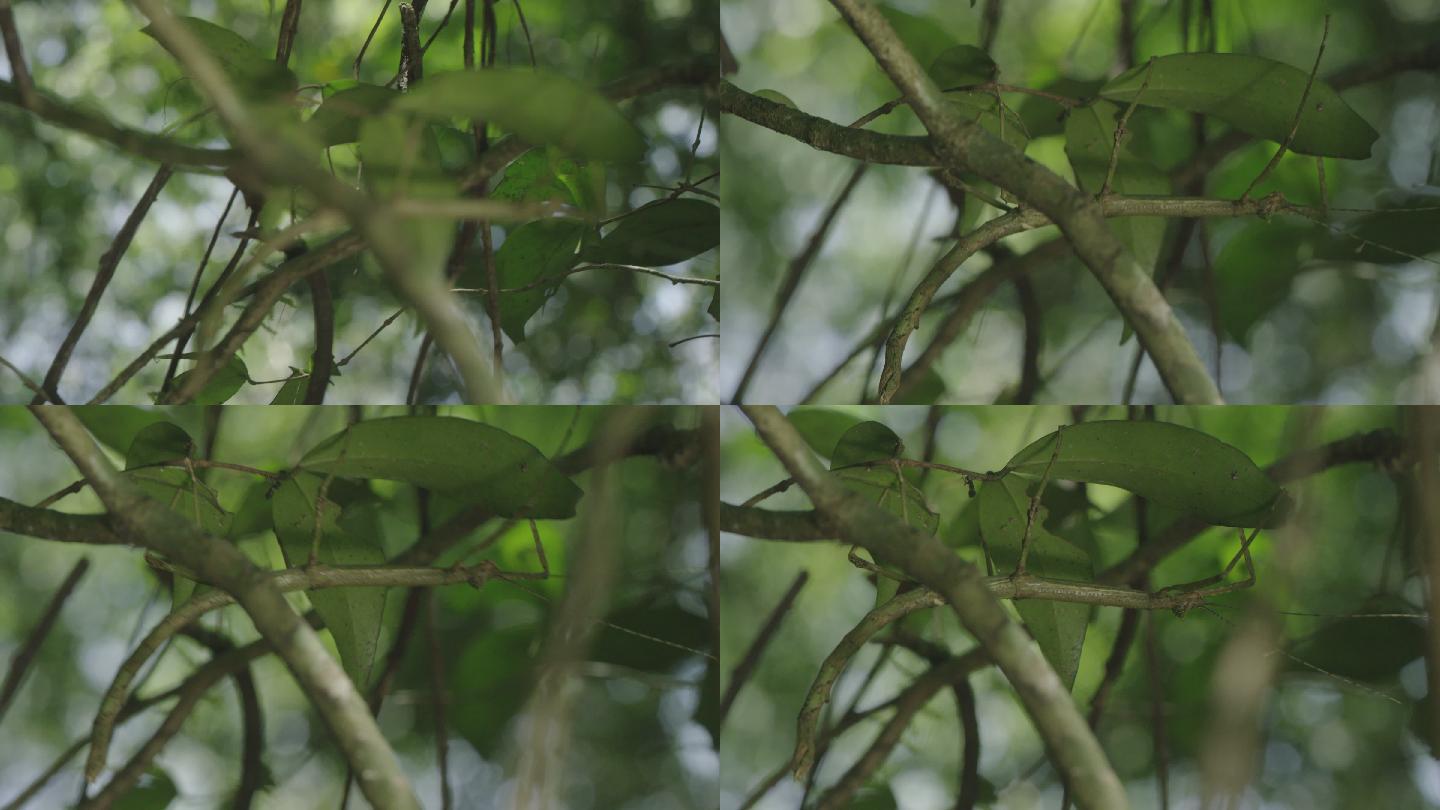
1071, 744
147, 523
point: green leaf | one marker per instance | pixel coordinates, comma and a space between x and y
1256, 95
870, 442
777, 97
253, 516
159, 443
661, 233
961, 65
864, 443
292, 392
489, 466
873, 797
821, 428
338, 118
116, 426
1416, 233
222, 384
1254, 270
1169, 464
1043, 117
155, 791
542, 249
1370, 650
1089, 141
537, 176
253, 72
187, 496
988, 111
930, 390
359, 619
539, 107
1058, 627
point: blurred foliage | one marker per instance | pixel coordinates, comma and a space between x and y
1336, 732
1305, 315
603, 336
639, 737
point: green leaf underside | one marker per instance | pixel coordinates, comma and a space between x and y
186, 496
1043, 117
1089, 141
1254, 271
535, 177
116, 426
540, 108
661, 233
544, 248
250, 69
1416, 233
874, 442
1254, 94
981, 108
292, 392
1058, 627
355, 617
1169, 464
222, 385
483, 464
961, 65
158, 443
338, 118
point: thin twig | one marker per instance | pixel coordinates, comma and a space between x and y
1299, 113
753, 653
25, 655
108, 262
19, 72
1121, 131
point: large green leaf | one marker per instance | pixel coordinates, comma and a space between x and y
1089, 141
1256, 95
1169, 464
158, 443
923, 37
155, 791
542, 108
629, 638
360, 619
1058, 627
250, 69
541, 249
544, 174
1388, 237
187, 496
661, 233
338, 118
992, 115
484, 464
1254, 271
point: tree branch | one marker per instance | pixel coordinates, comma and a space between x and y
1068, 738
147, 523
